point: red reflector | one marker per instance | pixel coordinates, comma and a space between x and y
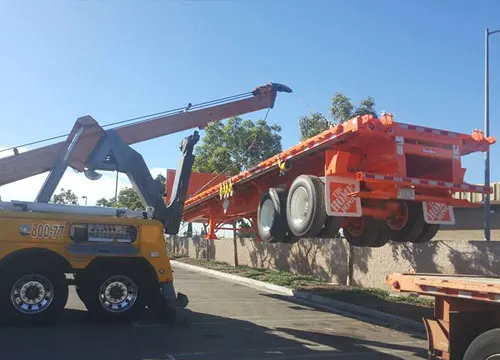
396, 285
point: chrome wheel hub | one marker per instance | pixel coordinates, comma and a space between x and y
267, 215
118, 293
31, 294
299, 205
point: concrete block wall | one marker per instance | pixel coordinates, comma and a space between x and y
457, 249
328, 258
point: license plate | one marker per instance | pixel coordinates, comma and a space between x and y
406, 194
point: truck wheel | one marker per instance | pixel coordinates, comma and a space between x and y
305, 206
33, 294
408, 223
117, 292
484, 347
271, 216
430, 230
365, 231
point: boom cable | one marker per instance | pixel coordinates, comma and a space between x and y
139, 119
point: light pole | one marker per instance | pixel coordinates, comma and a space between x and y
487, 213
116, 187
85, 197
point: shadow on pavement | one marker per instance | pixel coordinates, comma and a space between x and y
352, 315
207, 337
350, 345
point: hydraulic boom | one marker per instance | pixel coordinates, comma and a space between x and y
90, 148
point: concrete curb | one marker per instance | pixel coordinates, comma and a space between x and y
260, 285
311, 299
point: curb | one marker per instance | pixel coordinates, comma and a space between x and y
311, 299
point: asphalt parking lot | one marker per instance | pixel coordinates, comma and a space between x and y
228, 321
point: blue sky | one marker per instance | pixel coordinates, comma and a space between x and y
421, 60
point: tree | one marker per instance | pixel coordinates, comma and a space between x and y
128, 197
237, 145
341, 110
65, 197
312, 124
105, 202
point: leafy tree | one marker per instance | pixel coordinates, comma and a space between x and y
341, 110
366, 106
313, 124
237, 145
105, 202
127, 197
65, 197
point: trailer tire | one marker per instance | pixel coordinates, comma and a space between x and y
116, 291
485, 346
408, 227
331, 228
32, 294
271, 216
305, 206
365, 231
430, 230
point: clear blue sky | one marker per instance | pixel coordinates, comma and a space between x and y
421, 60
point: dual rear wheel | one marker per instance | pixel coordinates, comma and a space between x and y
115, 291
301, 213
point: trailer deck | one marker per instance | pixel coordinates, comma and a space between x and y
367, 160
466, 313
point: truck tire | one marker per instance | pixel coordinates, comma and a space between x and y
305, 206
430, 230
365, 231
32, 293
408, 225
484, 347
117, 291
271, 216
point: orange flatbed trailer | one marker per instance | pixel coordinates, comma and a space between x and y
376, 178
466, 321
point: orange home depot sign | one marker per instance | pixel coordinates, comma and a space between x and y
438, 213
338, 200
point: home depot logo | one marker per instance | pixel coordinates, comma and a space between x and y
340, 200
438, 211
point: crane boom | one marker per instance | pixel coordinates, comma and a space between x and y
37, 161
90, 148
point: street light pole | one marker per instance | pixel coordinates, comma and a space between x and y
116, 187
85, 197
487, 213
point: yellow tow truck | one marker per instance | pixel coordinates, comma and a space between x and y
117, 257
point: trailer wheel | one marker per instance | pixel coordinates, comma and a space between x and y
430, 230
271, 216
365, 231
484, 347
331, 228
32, 294
117, 291
408, 223
305, 206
